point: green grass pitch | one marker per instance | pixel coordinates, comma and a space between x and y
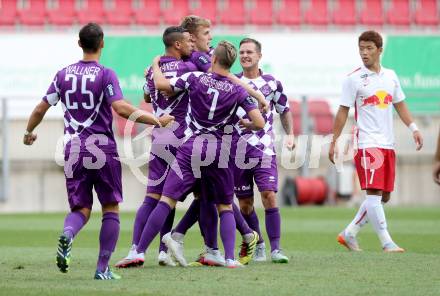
318, 265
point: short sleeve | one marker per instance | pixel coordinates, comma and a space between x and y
348, 97
53, 92
280, 99
246, 102
184, 82
399, 95
201, 60
112, 89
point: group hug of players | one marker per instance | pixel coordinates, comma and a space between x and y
213, 137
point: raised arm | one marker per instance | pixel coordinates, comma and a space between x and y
340, 120
407, 119
34, 120
160, 82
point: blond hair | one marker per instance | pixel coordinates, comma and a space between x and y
193, 22
226, 54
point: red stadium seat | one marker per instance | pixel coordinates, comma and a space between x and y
64, 14
345, 13
206, 9
399, 13
233, 13
262, 13
290, 13
35, 14
173, 15
317, 14
8, 12
372, 13
92, 12
427, 13
120, 14
148, 14
319, 110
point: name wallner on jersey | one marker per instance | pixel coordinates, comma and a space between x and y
80, 70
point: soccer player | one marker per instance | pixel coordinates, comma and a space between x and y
88, 92
436, 169
260, 147
178, 45
372, 90
214, 100
200, 30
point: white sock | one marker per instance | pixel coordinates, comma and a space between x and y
178, 237
359, 220
376, 216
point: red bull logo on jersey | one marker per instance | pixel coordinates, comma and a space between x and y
381, 99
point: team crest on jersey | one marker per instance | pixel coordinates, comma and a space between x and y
266, 90
110, 90
250, 100
203, 59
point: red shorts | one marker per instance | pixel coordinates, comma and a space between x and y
376, 168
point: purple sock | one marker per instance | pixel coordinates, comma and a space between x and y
73, 223
142, 215
190, 218
153, 226
273, 228
227, 233
252, 221
166, 228
242, 225
108, 237
208, 222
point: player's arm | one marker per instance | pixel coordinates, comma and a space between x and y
256, 120
124, 109
436, 170
34, 120
287, 123
160, 82
262, 103
407, 119
147, 98
338, 126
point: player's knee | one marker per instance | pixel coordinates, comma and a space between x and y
374, 192
111, 207
85, 211
169, 201
224, 207
269, 199
386, 197
154, 195
246, 205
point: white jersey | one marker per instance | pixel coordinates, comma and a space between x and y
372, 94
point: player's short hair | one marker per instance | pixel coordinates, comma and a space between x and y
193, 22
372, 36
251, 40
226, 53
90, 37
172, 34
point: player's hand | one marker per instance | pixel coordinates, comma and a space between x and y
245, 124
289, 142
166, 119
418, 139
29, 139
263, 106
332, 151
436, 172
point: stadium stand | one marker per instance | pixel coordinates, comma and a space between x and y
319, 110
206, 9
286, 13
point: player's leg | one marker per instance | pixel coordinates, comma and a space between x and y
164, 258
108, 237
79, 185
208, 222
108, 187
266, 178
347, 237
